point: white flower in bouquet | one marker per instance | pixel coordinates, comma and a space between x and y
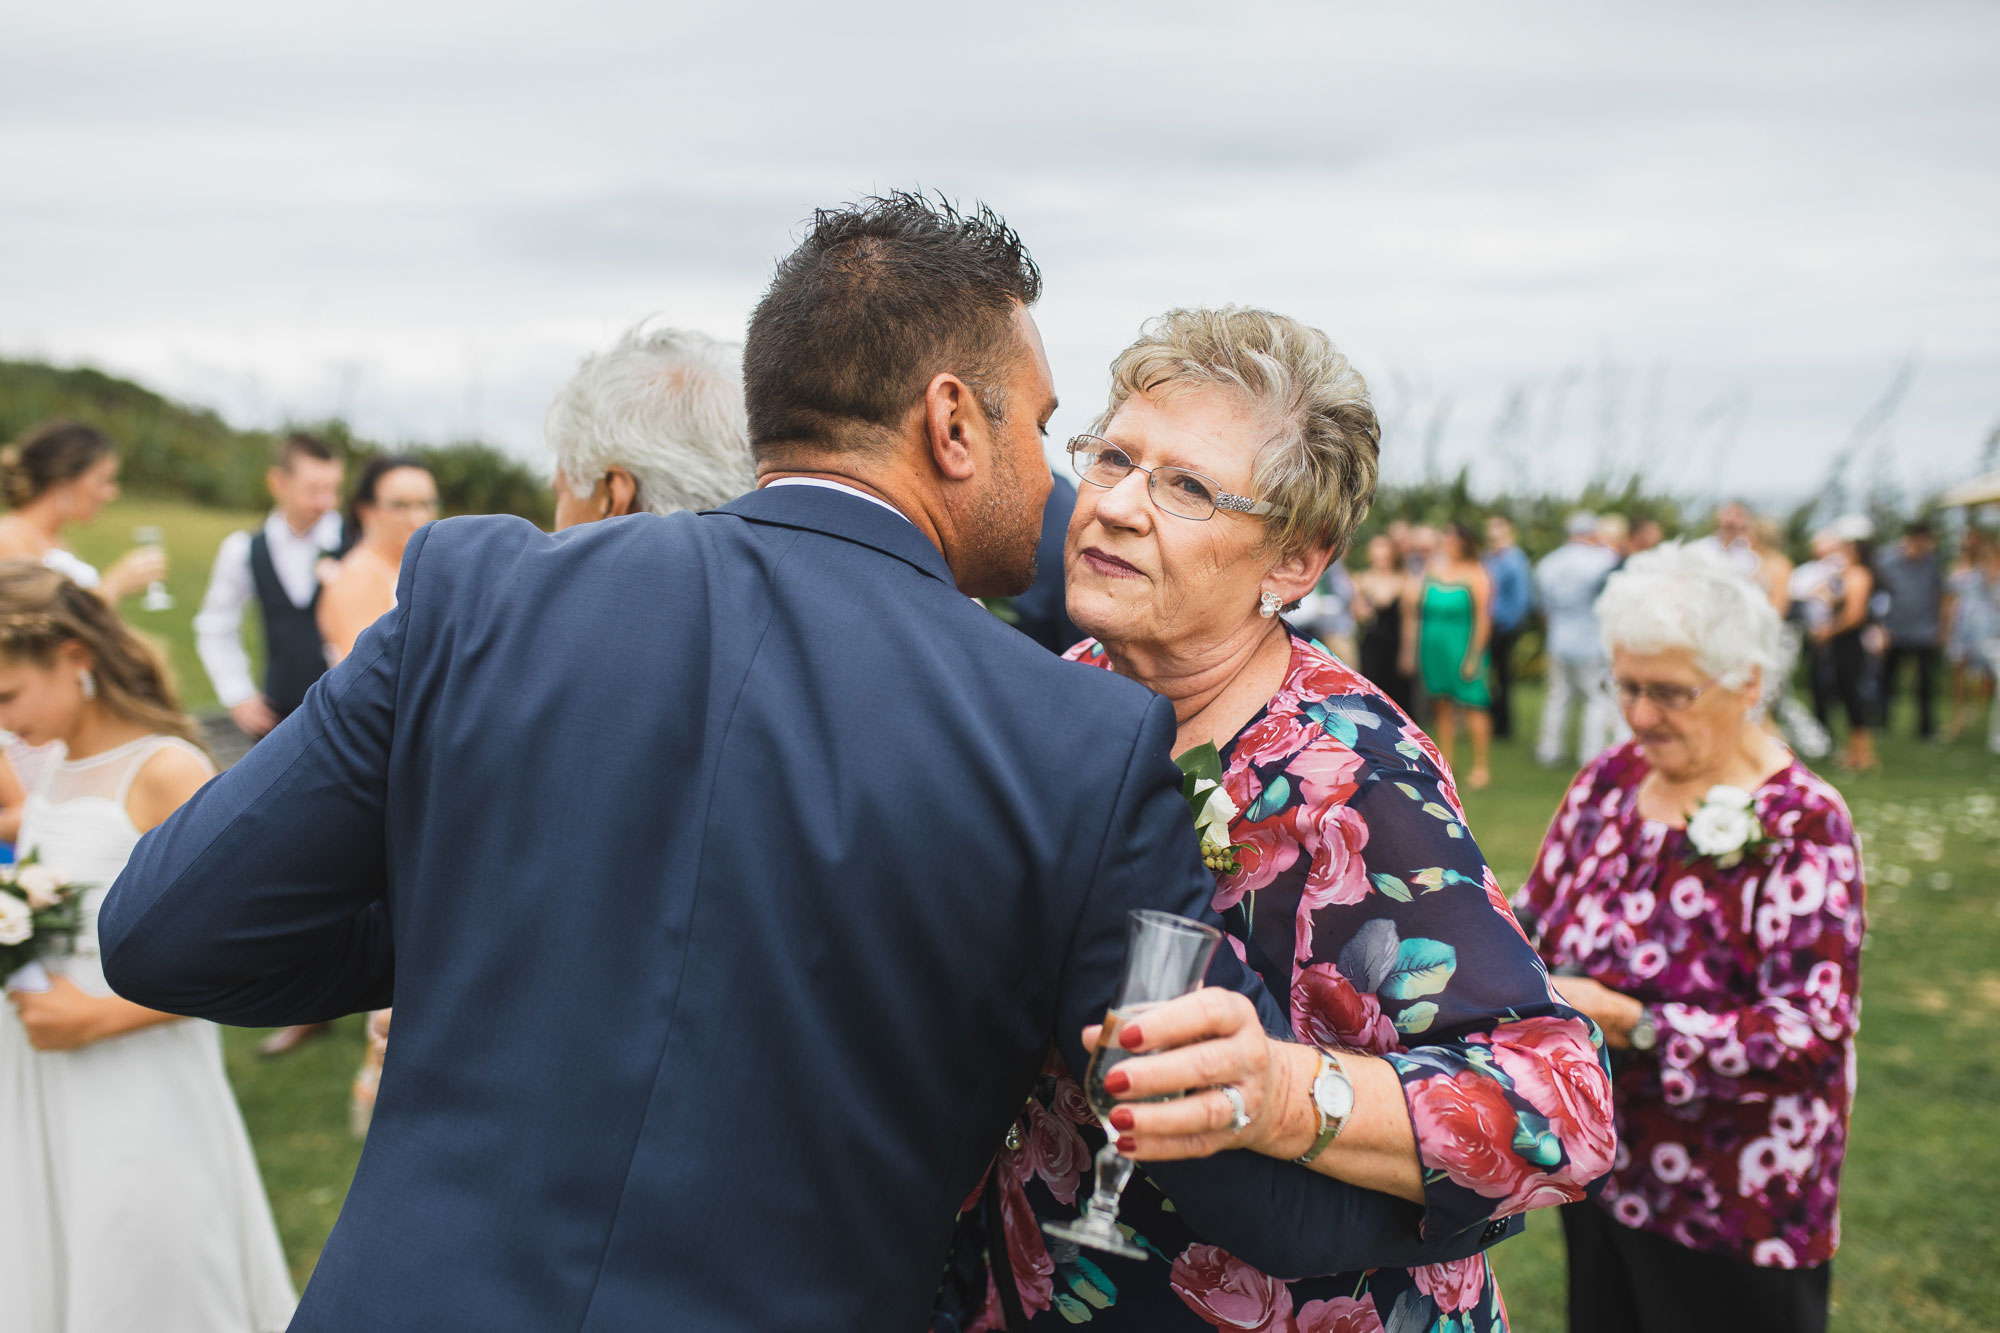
42, 885
1724, 826
17, 920
1214, 811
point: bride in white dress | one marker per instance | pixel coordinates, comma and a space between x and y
129, 1198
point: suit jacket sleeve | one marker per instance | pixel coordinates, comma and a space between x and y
261, 901
1277, 1216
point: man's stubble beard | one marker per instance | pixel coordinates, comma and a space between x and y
1005, 532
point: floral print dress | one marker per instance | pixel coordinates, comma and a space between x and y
1361, 896
1730, 1137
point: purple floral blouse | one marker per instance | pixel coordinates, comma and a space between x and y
1730, 1136
1361, 896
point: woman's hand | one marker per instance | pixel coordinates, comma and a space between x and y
1406, 663
1468, 670
1613, 1011
1199, 1044
61, 1018
133, 571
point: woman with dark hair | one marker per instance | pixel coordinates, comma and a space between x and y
1446, 627
1846, 638
393, 497
131, 1196
59, 473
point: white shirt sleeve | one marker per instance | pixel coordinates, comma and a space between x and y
218, 626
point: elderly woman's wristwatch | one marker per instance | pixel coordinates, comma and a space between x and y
1333, 1098
1645, 1033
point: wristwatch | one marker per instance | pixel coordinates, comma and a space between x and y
1333, 1099
1645, 1033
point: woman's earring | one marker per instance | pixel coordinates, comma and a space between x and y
1268, 604
87, 683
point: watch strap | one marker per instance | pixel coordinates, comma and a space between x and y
1329, 1128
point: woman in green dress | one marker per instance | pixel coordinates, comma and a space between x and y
1446, 627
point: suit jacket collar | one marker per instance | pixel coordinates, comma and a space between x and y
848, 517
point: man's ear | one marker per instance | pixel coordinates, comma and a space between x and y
954, 426
621, 493
1296, 575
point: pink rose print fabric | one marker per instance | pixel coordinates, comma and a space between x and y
1731, 1135
1364, 903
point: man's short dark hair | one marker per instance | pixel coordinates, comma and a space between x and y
301, 444
880, 297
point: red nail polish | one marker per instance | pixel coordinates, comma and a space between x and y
1117, 1081
1127, 1144
1130, 1038
1121, 1119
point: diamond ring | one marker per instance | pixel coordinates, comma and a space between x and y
1239, 1114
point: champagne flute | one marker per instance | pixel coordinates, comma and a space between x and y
157, 597
1166, 957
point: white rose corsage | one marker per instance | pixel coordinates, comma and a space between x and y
1724, 827
1201, 787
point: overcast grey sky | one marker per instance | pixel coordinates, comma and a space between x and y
1556, 238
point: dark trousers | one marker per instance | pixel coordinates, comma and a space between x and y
1926, 657
1502, 648
1626, 1281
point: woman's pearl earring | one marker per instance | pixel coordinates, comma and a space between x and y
87, 683
1268, 604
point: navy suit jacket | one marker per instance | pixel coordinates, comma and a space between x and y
730, 874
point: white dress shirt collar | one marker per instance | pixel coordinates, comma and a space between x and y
838, 486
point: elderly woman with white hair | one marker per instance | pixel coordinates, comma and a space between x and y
1700, 896
1427, 1058
653, 425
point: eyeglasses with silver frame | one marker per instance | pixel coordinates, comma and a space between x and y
1665, 697
1175, 490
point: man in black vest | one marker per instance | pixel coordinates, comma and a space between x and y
277, 568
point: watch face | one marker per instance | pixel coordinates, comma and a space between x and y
1333, 1094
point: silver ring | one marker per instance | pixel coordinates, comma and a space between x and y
1239, 1114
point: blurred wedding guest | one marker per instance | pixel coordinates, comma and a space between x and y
1733, 538
1378, 609
1513, 597
393, 497
654, 425
1327, 612
1420, 549
1567, 582
131, 1198
1773, 572
57, 474
1614, 534
1972, 620
1848, 632
1700, 896
1344, 817
1912, 574
276, 569
1646, 534
1811, 587
1446, 627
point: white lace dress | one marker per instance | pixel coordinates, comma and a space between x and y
129, 1198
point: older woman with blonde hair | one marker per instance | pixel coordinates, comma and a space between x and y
1427, 1058
1700, 896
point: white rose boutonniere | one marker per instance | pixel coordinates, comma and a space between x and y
1724, 827
1201, 787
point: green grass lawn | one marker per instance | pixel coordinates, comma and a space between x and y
1922, 1221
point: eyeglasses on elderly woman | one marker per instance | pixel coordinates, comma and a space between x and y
1175, 490
1667, 698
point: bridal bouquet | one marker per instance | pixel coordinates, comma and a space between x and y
39, 913
1201, 787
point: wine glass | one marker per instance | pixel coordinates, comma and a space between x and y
157, 597
1166, 957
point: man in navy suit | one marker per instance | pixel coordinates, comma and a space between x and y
730, 873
